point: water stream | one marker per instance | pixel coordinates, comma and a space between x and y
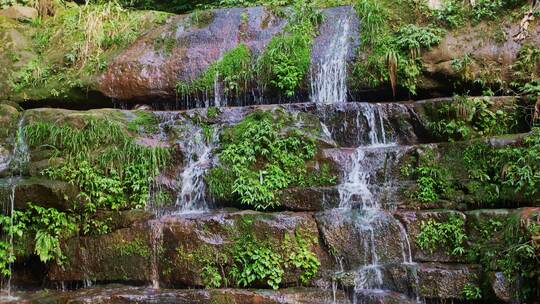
18, 162
360, 201
197, 149
329, 73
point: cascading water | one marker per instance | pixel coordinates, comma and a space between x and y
217, 92
198, 157
329, 73
360, 194
18, 161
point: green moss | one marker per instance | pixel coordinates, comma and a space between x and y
136, 247
234, 70
74, 46
144, 123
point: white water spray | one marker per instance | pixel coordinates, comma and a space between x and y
198, 153
359, 190
329, 75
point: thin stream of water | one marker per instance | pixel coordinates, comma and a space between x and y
18, 162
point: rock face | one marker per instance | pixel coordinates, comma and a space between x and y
185, 251
174, 250
21, 13
148, 70
134, 295
143, 72
488, 57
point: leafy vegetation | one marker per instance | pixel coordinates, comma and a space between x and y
454, 13
261, 156
234, 71
75, 44
111, 170
48, 226
487, 175
392, 47
282, 67
509, 246
449, 234
251, 260
183, 6
465, 118
472, 292
285, 62
432, 180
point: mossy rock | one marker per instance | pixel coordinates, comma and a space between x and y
8, 120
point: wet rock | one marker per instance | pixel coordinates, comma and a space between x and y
4, 160
413, 221
487, 55
309, 199
501, 287
189, 240
21, 13
144, 71
45, 193
8, 121
138, 295
350, 123
446, 281
124, 255
381, 297
174, 250
355, 236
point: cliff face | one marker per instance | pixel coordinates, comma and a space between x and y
270, 155
174, 50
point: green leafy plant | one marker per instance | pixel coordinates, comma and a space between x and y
285, 62
390, 50
234, 71
472, 292
432, 180
449, 234
259, 158
298, 254
48, 226
255, 261
467, 117
509, 246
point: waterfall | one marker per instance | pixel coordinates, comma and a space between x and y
360, 193
18, 161
156, 241
329, 73
217, 92
197, 151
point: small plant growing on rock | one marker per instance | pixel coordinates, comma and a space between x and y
472, 292
449, 234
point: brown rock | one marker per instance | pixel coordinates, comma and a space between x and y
413, 221
19, 12
440, 281
174, 249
